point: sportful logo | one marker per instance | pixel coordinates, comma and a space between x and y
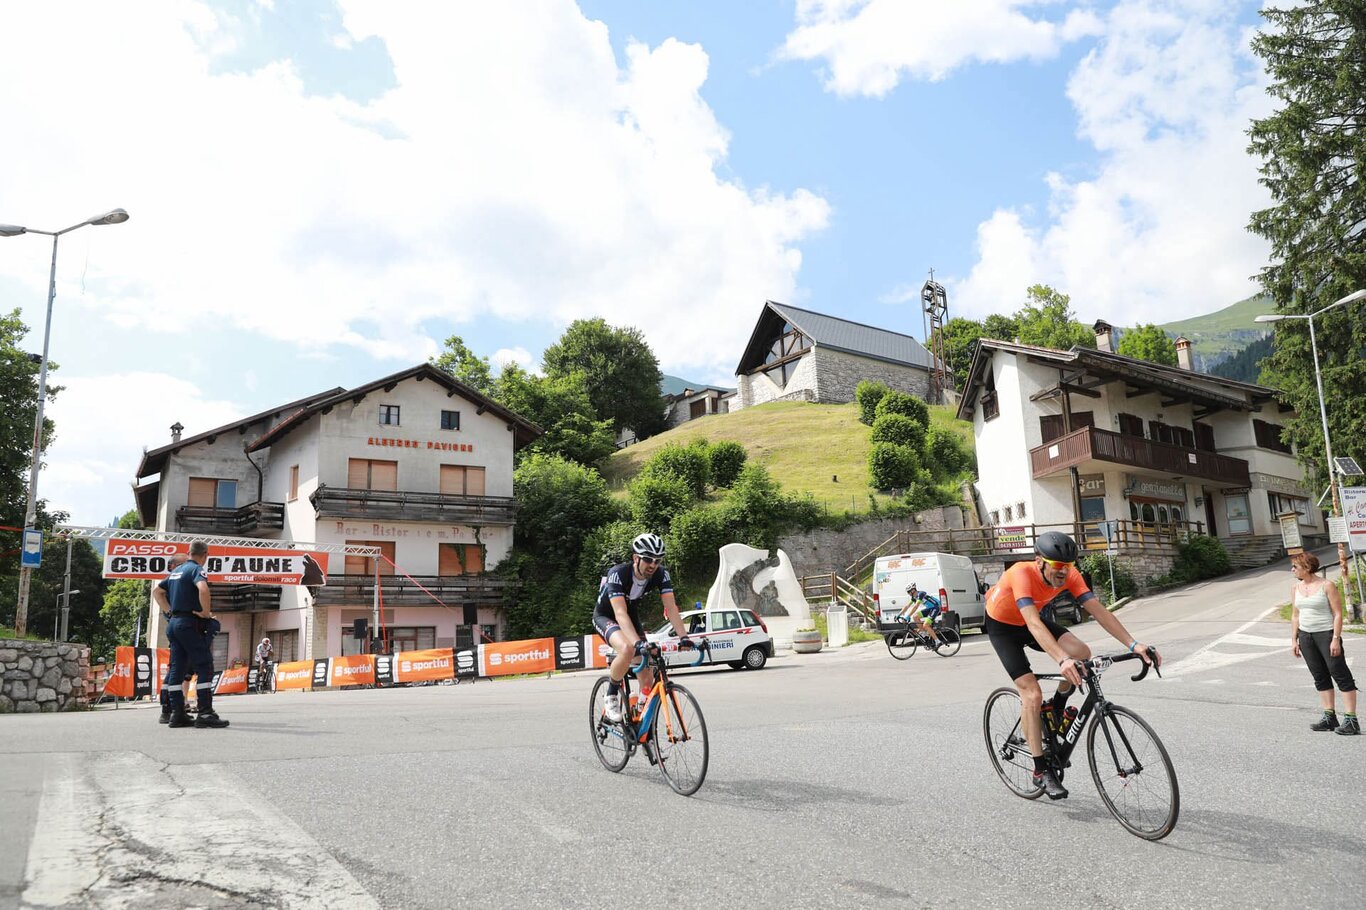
293, 674
409, 666
351, 671
465, 660
569, 650
496, 659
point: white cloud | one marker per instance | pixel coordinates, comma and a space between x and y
518, 355
102, 423
1158, 231
518, 169
869, 46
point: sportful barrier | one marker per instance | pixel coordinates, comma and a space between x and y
141, 671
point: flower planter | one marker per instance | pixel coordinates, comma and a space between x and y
807, 641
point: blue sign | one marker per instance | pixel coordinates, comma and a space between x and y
31, 555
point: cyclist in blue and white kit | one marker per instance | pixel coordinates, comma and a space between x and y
923, 609
617, 615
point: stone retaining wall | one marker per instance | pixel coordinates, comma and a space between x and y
825, 550
42, 676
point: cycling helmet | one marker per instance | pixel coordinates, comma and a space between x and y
911, 587
648, 545
1056, 545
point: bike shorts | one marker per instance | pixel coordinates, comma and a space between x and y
1010, 642
606, 624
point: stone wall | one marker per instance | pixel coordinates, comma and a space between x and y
823, 550
838, 375
756, 388
41, 676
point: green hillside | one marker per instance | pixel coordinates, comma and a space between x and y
1216, 337
672, 385
804, 446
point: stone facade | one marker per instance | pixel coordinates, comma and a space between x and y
838, 375
42, 676
756, 388
821, 551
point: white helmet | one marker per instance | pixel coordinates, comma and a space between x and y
649, 545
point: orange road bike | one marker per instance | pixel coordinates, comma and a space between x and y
667, 723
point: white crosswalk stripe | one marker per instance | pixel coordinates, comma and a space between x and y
117, 829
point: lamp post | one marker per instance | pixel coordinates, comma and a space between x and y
117, 216
1323, 415
60, 609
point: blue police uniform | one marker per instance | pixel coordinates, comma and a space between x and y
189, 643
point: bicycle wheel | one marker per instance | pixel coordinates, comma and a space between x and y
1134, 774
902, 643
679, 739
609, 740
1006, 743
949, 642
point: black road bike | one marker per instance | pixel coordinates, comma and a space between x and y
264, 672
903, 641
1129, 764
667, 723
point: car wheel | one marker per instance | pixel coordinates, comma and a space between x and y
736, 664
755, 658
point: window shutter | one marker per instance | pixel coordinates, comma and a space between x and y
358, 474
474, 481
452, 481
384, 475
203, 492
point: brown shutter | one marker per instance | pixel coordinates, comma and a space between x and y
474, 481
358, 474
474, 558
293, 483
448, 559
384, 475
1050, 425
1083, 419
364, 565
452, 481
203, 492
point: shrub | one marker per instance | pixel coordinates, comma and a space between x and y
694, 537
946, 453
894, 402
725, 460
1097, 565
560, 503
1199, 557
900, 429
868, 394
892, 466
755, 508
687, 463
656, 498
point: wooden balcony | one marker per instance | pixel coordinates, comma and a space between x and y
401, 505
244, 598
252, 518
398, 590
1094, 448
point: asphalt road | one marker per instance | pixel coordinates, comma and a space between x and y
841, 779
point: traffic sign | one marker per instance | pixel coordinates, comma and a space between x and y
31, 555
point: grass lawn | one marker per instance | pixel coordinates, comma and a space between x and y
820, 449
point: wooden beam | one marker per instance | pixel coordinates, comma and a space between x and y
357, 399
327, 410
390, 387
1083, 390
450, 392
481, 409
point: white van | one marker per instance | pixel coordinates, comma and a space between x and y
952, 579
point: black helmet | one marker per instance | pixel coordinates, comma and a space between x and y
1056, 545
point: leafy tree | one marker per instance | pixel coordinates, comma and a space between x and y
1047, 321
894, 402
1150, 343
458, 360
687, 463
621, 371
694, 537
558, 503
1246, 365
946, 453
657, 497
868, 393
1002, 328
960, 343
559, 405
892, 466
725, 460
900, 429
1311, 148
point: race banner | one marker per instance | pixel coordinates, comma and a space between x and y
150, 559
467, 664
570, 653
598, 651
504, 658
136, 672
384, 669
353, 670
297, 674
431, 663
320, 673
231, 682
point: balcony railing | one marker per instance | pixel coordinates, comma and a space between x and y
252, 518
240, 598
401, 505
1091, 444
398, 590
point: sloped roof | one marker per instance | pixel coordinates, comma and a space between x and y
524, 430
833, 333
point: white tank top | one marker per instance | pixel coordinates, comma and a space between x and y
1315, 614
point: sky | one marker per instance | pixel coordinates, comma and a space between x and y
321, 191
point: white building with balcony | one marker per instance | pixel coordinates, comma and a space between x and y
416, 464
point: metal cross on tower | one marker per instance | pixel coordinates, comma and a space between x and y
936, 301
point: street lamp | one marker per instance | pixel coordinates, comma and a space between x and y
61, 612
116, 216
1323, 410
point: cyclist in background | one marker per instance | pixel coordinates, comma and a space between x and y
265, 651
1015, 623
923, 609
617, 614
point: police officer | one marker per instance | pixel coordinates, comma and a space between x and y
185, 593
176, 561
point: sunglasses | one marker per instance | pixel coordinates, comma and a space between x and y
1055, 565
648, 561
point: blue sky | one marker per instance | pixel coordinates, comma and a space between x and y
322, 191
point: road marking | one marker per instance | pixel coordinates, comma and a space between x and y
1207, 658
117, 829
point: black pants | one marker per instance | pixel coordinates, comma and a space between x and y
189, 653
1314, 646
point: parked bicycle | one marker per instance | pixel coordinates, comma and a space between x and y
1131, 769
667, 723
902, 642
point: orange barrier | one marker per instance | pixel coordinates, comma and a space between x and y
231, 682
502, 658
353, 670
297, 674
136, 671
419, 666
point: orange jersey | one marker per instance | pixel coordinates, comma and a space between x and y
1023, 585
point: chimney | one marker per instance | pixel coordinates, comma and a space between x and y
1104, 336
176, 430
1183, 353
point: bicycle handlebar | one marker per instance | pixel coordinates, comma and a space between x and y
645, 648
1099, 664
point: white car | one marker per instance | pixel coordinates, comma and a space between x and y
736, 637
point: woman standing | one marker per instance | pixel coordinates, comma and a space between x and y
1316, 635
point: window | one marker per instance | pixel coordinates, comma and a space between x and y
365, 474
459, 559
219, 649
697, 409
388, 415
1131, 425
995, 517
462, 480
412, 638
781, 373
1009, 515
365, 565
1281, 504
211, 493
1204, 437
1053, 426
285, 643
991, 407
1020, 509
293, 482
1268, 436
450, 420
